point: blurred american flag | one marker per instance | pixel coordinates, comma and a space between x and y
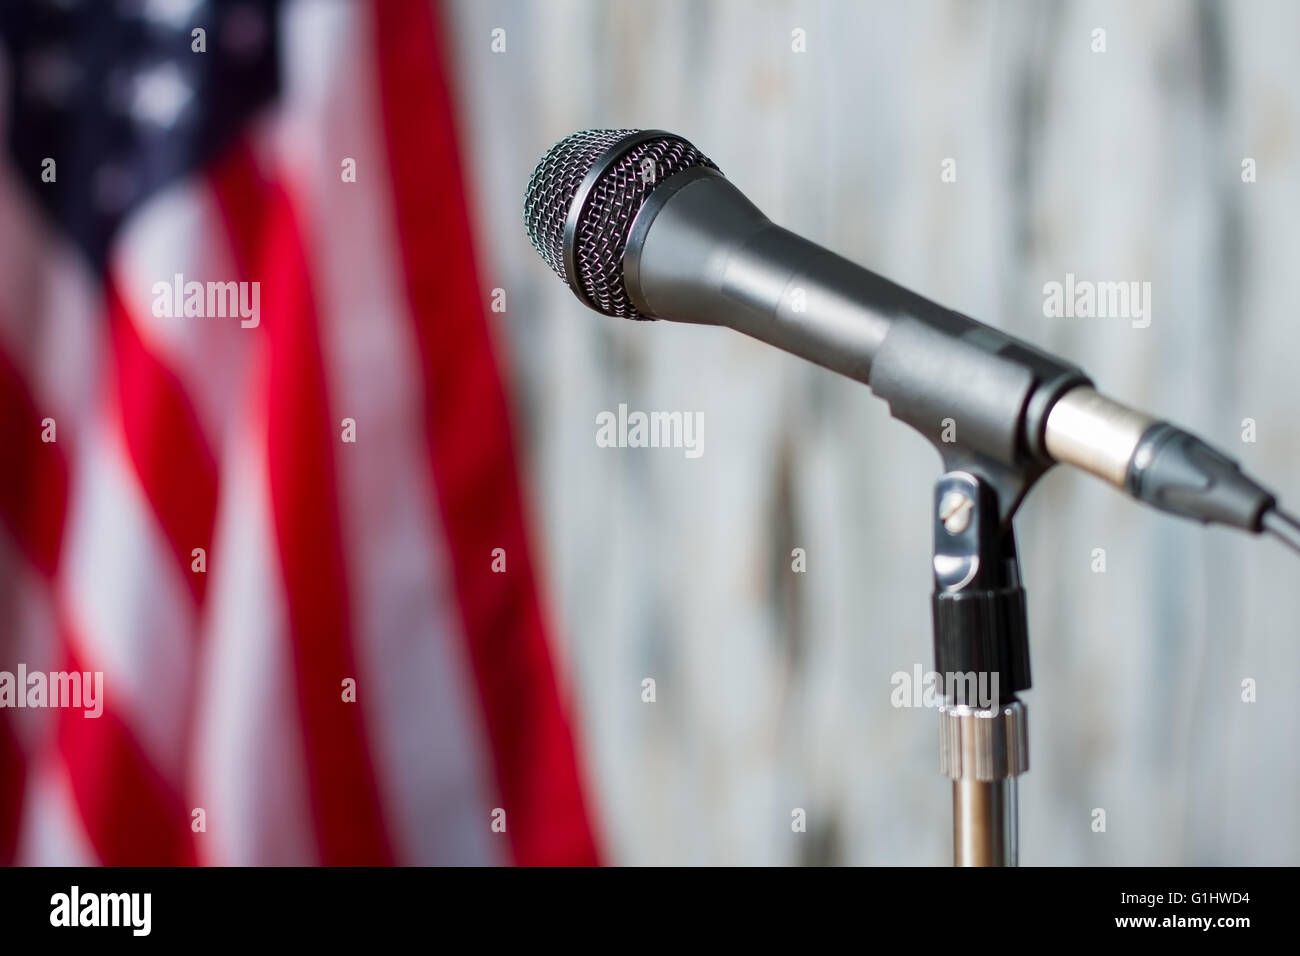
325, 560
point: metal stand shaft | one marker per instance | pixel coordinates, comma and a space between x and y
984, 823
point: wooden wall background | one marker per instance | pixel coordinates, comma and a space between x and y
773, 688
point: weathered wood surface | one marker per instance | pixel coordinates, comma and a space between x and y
773, 689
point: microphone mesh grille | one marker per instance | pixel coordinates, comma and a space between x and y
612, 204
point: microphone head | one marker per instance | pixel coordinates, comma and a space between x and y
583, 197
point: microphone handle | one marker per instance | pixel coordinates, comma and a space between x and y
699, 251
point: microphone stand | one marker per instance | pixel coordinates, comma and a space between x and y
981, 647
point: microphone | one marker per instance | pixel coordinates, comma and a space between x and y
642, 225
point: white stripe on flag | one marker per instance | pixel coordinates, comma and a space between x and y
248, 766
124, 599
182, 232
52, 833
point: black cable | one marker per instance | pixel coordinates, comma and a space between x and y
1283, 527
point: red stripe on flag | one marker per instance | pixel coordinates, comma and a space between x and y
302, 438
243, 197
132, 816
161, 432
471, 447
13, 783
34, 478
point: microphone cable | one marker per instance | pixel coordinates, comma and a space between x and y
1282, 526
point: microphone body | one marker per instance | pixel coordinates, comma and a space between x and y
641, 225
699, 251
